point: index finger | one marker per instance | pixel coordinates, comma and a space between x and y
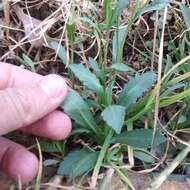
14, 76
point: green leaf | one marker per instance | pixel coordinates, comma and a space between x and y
28, 63
94, 104
91, 23
169, 64
99, 73
114, 116
52, 146
79, 130
93, 63
62, 54
144, 156
77, 163
135, 89
122, 68
118, 44
139, 138
155, 6
175, 98
171, 89
186, 14
78, 110
120, 6
109, 92
87, 78
108, 11
50, 162
71, 29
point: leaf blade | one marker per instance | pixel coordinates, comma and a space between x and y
121, 67
78, 110
186, 14
120, 6
118, 44
62, 54
77, 162
87, 78
114, 117
135, 89
139, 138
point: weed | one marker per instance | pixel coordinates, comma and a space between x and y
121, 115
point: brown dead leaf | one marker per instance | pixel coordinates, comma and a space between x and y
35, 29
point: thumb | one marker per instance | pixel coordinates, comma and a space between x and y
24, 105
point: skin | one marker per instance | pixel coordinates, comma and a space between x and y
28, 102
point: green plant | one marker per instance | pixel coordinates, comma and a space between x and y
105, 116
112, 104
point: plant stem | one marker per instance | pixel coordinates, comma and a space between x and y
101, 158
160, 61
123, 176
130, 148
39, 175
106, 50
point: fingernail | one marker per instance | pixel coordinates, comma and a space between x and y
53, 86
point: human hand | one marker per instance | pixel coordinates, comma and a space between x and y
28, 102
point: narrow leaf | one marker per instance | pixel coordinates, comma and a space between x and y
77, 163
135, 88
186, 14
175, 98
62, 54
139, 138
28, 63
120, 6
108, 11
144, 156
155, 6
91, 23
71, 29
52, 146
99, 73
93, 63
121, 67
114, 116
87, 78
109, 92
118, 44
50, 162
